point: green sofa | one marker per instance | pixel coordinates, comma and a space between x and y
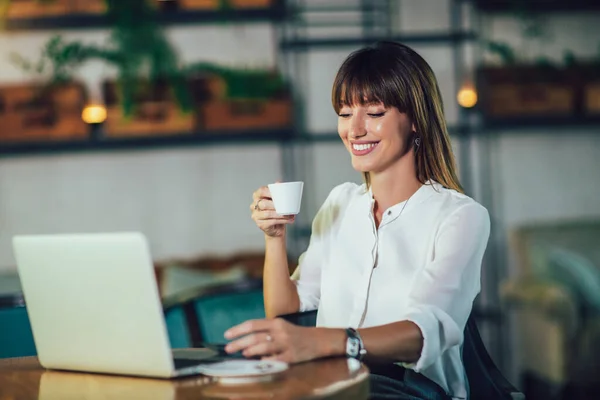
556, 302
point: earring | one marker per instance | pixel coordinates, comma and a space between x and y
417, 141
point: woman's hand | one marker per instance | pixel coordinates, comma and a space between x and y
265, 216
275, 339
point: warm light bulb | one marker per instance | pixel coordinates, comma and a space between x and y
94, 114
467, 97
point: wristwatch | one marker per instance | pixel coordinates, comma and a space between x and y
354, 345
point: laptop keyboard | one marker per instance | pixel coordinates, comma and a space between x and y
220, 356
181, 363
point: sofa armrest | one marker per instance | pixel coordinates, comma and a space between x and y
547, 298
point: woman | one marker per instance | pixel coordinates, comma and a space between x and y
393, 265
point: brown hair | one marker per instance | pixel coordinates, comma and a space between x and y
395, 75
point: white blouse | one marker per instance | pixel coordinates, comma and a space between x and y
422, 264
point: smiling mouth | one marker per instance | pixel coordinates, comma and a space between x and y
361, 149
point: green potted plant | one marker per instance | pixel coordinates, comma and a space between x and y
523, 86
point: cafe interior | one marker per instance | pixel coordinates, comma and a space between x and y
164, 116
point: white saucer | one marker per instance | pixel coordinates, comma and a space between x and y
243, 371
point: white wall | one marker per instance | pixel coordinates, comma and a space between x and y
187, 201
549, 175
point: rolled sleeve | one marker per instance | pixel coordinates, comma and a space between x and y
441, 298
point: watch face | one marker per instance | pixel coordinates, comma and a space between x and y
352, 346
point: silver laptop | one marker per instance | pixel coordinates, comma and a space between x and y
94, 306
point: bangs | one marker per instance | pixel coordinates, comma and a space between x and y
367, 79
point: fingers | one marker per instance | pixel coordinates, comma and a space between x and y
264, 203
261, 193
270, 215
257, 344
251, 326
261, 349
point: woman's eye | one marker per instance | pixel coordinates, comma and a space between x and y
344, 115
376, 115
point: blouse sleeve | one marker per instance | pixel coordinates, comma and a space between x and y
442, 296
308, 283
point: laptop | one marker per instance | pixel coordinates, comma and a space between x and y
94, 306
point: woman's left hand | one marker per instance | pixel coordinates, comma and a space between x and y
274, 339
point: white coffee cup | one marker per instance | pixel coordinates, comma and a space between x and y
287, 197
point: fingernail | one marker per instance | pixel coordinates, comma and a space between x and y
227, 335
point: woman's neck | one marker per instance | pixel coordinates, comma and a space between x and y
393, 186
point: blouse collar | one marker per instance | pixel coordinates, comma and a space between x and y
422, 194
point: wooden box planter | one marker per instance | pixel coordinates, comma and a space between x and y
89, 6
31, 112
592, 98
243, 115
250, 105
217, 4
155, 114
526, 92
590, 89
199, 4
35, 8
250, 3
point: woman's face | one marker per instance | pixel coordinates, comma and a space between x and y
376, 137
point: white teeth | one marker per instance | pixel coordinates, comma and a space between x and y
361, 147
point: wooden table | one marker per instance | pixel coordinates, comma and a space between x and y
336, 378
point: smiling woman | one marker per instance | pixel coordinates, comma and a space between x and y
393, 265
392, 76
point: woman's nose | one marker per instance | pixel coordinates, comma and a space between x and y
357, 127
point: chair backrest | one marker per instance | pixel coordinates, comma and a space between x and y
203, 316
218, 312
486, 382
178, 328
16, 338
485, 379
307, 318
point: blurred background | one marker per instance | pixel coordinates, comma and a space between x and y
164, 116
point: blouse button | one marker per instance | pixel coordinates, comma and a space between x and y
389, 213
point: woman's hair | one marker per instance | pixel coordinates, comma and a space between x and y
395, 75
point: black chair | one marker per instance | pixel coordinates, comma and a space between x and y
486, 382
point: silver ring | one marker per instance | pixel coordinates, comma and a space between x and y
256, 205
269, 338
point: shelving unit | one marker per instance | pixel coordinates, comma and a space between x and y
286, 136
434, 38
373, 19
96, 144
277, 12
545, 5
548, 123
